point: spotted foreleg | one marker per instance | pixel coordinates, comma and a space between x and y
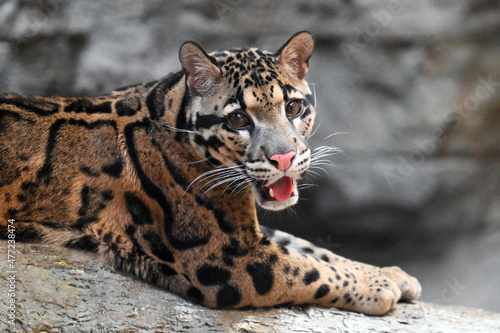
409, 286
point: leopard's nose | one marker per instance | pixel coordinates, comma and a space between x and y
283, 161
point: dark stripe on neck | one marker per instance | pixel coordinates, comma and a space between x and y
174, 171
154, 192
181, 122
156, 98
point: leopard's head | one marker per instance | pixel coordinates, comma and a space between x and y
250, 113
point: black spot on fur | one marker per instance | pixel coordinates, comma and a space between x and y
228, 261
82, 222
85, 201
158, 247
107, 237
311, 276
140, 213
228, 296
107, 195
167, 270
307, 250
273, 258
284, 250
195, 294
83, 243
322, 291
88, 171
123, 109
212, 275
215, 143
284, 242
264, 241
99, 108
114, 170
234, 249
324, 257
262, 277
85, 105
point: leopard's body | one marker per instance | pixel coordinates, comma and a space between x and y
161, 180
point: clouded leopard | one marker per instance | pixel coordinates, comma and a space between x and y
162, 180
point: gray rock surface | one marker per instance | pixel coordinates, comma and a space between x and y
61, 290
415, 84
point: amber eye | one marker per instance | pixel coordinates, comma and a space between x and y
238, 120
293, 107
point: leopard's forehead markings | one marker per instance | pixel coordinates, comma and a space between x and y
247, 67
256, 76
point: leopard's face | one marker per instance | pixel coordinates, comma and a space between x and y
254, 124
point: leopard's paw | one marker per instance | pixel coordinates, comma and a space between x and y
374, 292
408, 285
380, 302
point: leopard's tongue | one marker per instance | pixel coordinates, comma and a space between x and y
282, 189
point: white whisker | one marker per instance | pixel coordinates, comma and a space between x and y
230, 179
316, 129
333, 134
175, 129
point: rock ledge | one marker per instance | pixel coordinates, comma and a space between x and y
62, 290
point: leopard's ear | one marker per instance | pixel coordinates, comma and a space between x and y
295, 53
202, 73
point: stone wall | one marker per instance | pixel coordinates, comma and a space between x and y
410, 88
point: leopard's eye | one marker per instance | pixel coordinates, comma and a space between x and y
238, 120
293, 107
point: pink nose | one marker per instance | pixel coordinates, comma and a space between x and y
284, 160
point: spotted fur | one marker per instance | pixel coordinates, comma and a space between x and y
162, 179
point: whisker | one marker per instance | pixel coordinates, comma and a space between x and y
210, 175
230, 179
249, 180
175, 129
320, 168
333, 134
306, 186
313, 173
225, 177
316, 129
199, 161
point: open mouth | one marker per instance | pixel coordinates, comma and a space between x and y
281, 190
278, 195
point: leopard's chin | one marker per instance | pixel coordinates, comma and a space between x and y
271, 198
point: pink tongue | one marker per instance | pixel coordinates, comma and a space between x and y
282, 189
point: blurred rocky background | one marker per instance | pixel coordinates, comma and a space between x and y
410, 88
